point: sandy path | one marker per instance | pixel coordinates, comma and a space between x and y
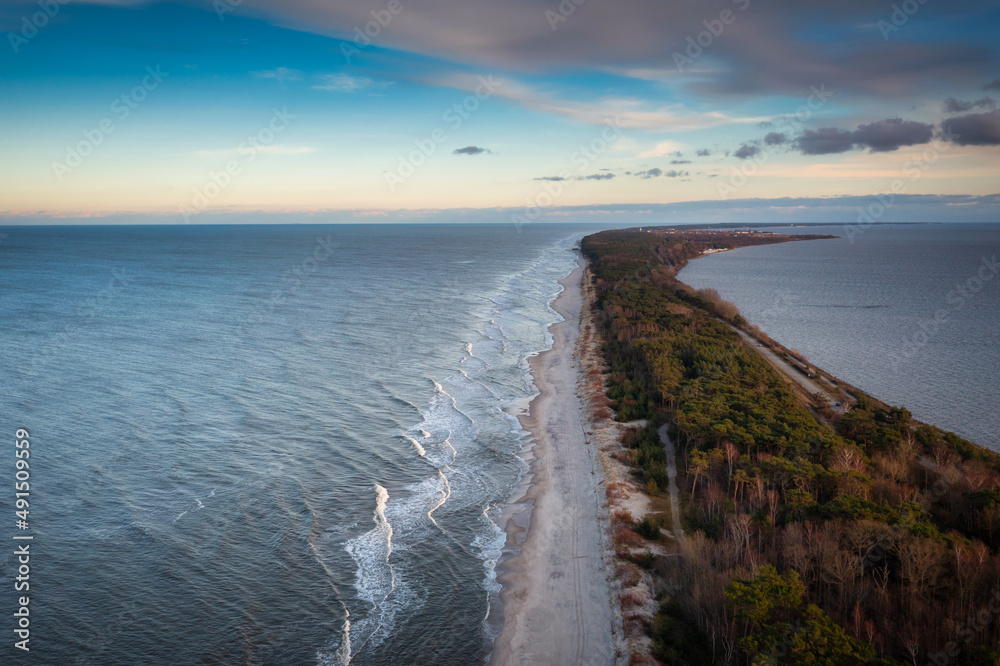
675, 502
556, 598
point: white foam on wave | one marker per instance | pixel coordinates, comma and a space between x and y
483, 385
344, 651
372, 550
454, 405
451, 447
341, 656
444, 490
489, 546
463, 430
375, 580
416, 446
444, 424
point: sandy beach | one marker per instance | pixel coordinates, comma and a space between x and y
556, 597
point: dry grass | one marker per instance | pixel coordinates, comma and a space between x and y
628, 538
603, 414
615, 491
633, 599
628, 573
626, 501
636, 625
623, 517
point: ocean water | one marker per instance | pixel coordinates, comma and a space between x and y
908, 313
249, 446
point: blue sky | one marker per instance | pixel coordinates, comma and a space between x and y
189, 111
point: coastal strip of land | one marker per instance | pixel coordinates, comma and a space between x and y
793, 499
556, 596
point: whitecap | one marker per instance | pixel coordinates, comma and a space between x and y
344, 651
444, 490
416, 446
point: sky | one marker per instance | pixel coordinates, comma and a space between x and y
491, 110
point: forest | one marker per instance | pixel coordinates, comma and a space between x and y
810, 536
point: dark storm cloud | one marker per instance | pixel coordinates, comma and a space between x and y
775, 139
952, 105
825, 141
992, 86
761, 51
977, 129
471, 150
888, 135
880, 136
745, 151
703, 152
775, 64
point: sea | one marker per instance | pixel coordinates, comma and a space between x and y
908, 313
282, 444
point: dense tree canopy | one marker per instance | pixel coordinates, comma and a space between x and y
815, 538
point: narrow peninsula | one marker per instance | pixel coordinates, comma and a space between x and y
763, 511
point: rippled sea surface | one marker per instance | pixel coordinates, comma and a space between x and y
908, 313
251, 447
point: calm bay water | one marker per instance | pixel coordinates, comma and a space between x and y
253, 447
865, 311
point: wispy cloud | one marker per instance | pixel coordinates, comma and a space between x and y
345, 83
662, 149
279, 74
593, 176
657, 172
625, 112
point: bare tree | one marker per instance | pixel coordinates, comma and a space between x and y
921, 564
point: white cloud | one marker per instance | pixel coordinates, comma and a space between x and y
346, 83
662, 149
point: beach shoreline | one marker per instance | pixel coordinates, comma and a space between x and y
556, 596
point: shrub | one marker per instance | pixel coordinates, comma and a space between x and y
649, 527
